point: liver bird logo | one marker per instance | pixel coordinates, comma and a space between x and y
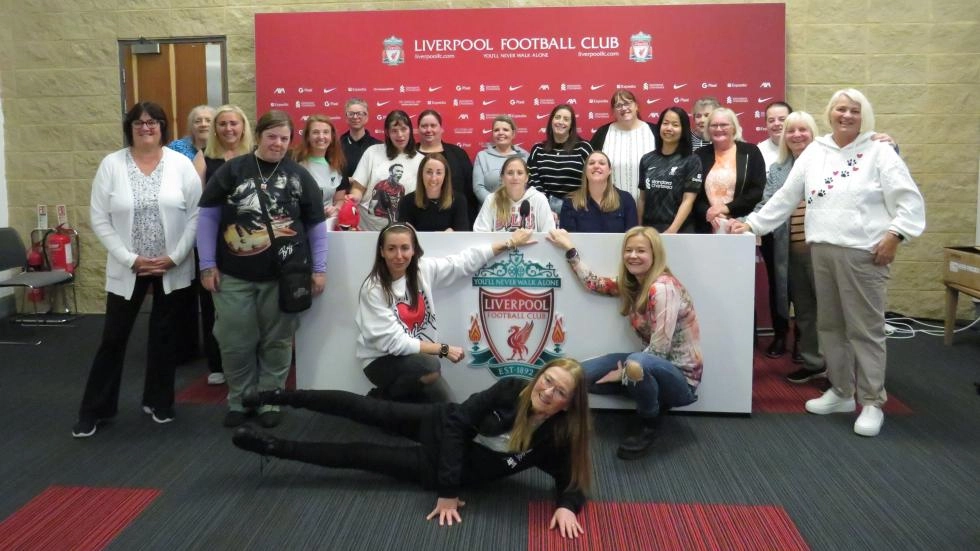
517, 340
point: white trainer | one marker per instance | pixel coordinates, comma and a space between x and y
830, 402
870, 421
216, 378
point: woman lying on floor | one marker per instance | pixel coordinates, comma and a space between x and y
510, 427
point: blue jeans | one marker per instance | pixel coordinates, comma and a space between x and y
663, 385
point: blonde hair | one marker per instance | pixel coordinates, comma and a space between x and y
214, 148
610, 197
501, 201
867, 113
633, 293
796, 117
732, 119
574, 427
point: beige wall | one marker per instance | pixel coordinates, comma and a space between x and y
917, 60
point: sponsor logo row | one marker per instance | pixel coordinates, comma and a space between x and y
486, 87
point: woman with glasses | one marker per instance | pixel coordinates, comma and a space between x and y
625, 140
398, 341
734, 174
144, 212
357, 138
508, 428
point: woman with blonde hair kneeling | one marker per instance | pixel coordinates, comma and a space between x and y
666, 373
510, 427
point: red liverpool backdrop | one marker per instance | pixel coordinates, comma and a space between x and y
471, 65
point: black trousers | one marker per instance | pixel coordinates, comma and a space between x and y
101, 398
780, 324
399, 378
408, 463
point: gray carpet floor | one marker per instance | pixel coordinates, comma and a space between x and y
916, 486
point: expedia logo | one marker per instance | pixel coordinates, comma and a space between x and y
516, 330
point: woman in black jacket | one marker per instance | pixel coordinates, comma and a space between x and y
510, 427
734, 174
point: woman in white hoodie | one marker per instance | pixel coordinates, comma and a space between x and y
398, 340
861, 203
504, 211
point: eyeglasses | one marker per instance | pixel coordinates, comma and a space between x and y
622, 105
152, 123
719, 126
356, 114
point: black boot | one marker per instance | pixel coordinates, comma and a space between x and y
639, 443
251, 440
254, 399
777, 348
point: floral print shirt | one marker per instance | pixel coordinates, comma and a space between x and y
668, 326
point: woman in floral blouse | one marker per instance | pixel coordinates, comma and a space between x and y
666, 373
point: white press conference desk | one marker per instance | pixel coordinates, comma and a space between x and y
718, 271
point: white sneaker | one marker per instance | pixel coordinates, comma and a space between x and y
870, 421
830, 402
216, 378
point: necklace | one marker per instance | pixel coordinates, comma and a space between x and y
265, 180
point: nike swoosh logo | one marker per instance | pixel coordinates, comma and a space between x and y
763, 100
434, 88
328, 90
518, 87
487, 130
542, 116
679, 86
594, 87
381, 103
649, 101
488, 102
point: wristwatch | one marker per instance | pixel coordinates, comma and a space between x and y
570, 253
443, 350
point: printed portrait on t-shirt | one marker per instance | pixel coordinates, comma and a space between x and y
387, 194
248, 234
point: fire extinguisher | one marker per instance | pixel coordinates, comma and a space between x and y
35, 263
59, 248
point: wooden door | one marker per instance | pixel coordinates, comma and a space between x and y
177, 78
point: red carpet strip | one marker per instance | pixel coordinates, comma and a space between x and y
76, 518
667, 527
772, 393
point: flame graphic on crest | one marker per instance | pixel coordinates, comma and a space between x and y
474, 333
558, 335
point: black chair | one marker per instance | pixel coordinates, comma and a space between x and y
13, 255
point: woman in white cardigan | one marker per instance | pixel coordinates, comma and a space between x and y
144, 212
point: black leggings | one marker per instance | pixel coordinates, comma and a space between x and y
399, 378
402, 462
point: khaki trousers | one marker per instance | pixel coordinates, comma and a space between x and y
851, 293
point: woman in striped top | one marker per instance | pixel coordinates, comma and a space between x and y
556, 164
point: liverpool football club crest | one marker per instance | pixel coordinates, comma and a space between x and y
516, 331
393, 54
641, 47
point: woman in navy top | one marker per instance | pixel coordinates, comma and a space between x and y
598, 206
